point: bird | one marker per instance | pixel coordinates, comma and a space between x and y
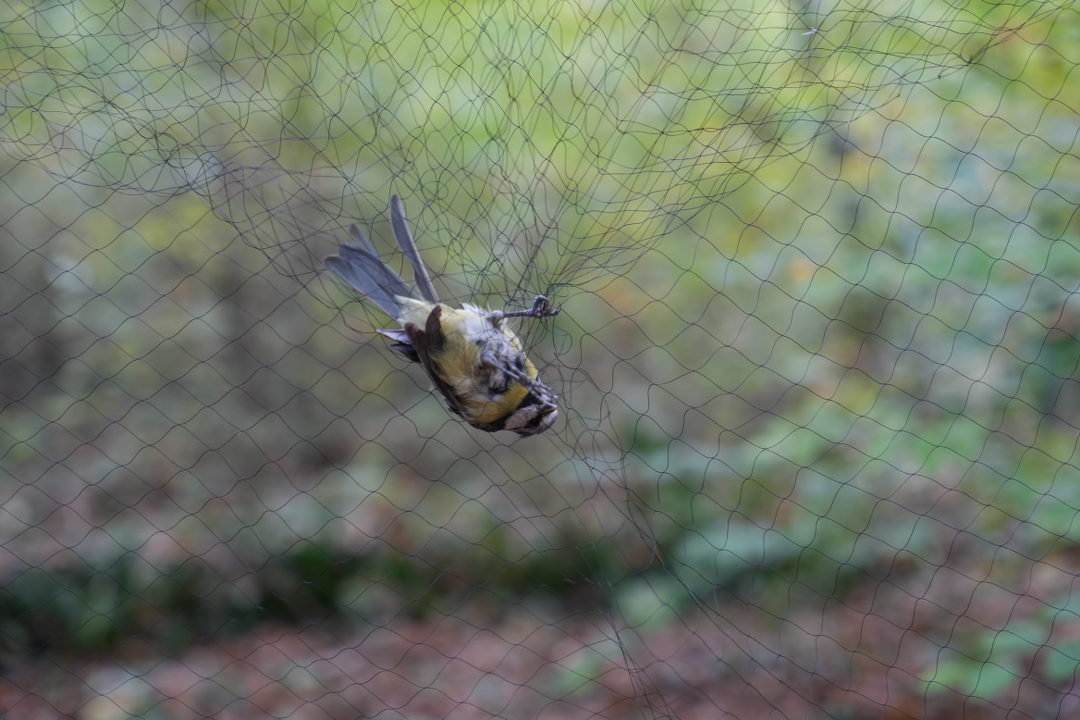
472, 356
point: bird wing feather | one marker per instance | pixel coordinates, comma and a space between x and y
427, 342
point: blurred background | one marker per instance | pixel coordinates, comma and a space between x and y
817, 447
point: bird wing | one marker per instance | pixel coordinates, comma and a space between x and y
428, 342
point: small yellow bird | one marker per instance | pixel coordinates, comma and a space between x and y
474, 359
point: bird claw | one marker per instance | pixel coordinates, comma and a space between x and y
541, 308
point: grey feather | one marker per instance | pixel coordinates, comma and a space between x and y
408, 246
360, 266
359, 236
402, 343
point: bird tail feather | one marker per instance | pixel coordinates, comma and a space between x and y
361, 267
408, 246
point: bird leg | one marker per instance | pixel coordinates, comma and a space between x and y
541, 308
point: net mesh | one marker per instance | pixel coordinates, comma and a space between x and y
817, 450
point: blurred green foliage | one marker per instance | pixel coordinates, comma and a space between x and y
78, 608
